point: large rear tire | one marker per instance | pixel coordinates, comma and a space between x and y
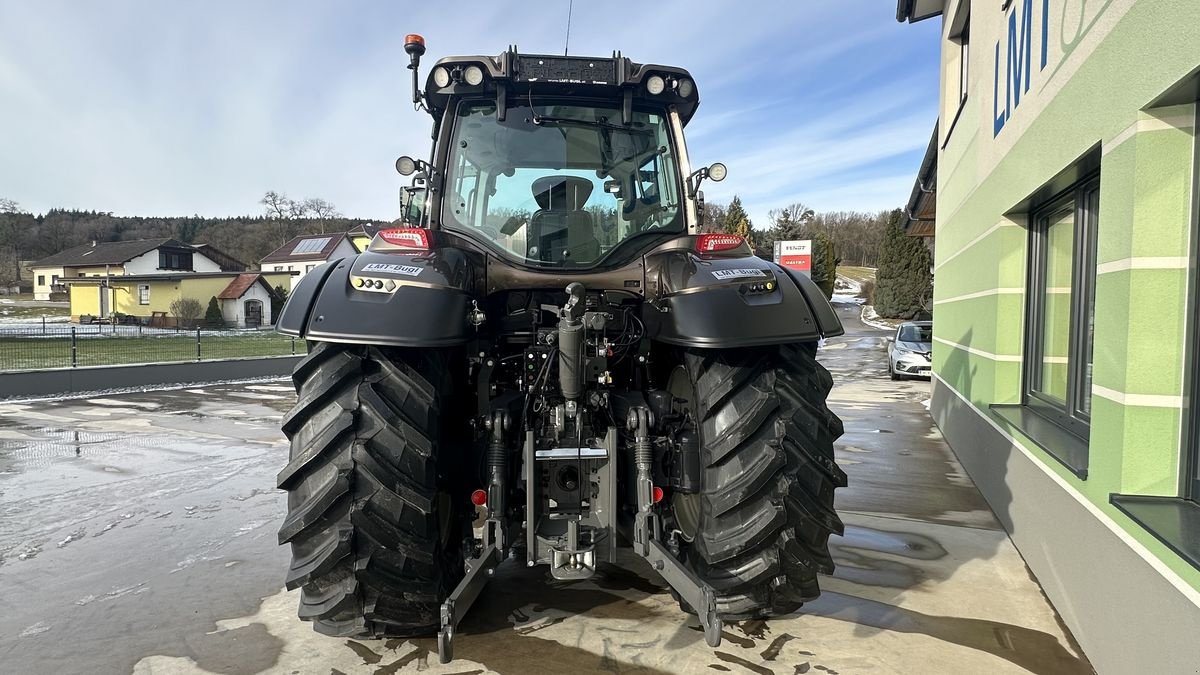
765, 509
374, 528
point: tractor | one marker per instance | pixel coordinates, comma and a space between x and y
546, 359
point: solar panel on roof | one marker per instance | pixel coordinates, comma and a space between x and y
311, 246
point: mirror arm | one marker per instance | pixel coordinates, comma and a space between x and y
694, 180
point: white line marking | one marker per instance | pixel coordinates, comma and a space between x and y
981, 294
1143, 263
979, 352
971, 243
1142, 400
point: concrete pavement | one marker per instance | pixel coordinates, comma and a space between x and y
137, 533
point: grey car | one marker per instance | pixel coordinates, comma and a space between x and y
910, 351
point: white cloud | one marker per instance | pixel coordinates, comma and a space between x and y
153, 108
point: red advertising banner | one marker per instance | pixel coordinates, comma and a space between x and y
796, 255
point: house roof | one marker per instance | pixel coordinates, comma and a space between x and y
242, 283
913, 11
921, 209
227, 262
306, 247
106, 252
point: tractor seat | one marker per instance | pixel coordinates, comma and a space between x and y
561, 229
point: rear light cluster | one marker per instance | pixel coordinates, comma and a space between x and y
407, 237
714, 243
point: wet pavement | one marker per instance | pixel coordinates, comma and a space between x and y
137, 534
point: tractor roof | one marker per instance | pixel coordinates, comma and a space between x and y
511, 73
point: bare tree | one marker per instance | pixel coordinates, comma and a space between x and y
279, 210
186, 311
277, 205
10, 242
319, 210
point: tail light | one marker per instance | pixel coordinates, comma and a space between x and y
713, 243
407, 237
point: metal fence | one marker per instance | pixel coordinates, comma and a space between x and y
58, 346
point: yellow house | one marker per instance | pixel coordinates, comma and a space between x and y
244, 298
361, 235
118, 258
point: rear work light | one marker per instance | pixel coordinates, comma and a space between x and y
712, 243
407, 237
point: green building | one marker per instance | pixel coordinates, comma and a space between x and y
1066, 304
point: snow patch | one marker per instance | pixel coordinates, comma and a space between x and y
872, 319
35, 629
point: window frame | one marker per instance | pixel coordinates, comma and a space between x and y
176, 259
964, 61
961, 36
41, 280
143, 294
1189, 469
1083, 197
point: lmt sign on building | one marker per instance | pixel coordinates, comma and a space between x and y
795, 255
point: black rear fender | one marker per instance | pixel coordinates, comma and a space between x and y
728, 302
408, 300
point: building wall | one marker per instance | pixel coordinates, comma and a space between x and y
147, 263
282, 280
1104, 63
41, 291
125, 298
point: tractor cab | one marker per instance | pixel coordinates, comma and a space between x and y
558, 161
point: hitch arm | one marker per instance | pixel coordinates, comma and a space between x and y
647, 530
479, 570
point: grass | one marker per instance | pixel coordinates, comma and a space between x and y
26, 313
31, 353
859, 274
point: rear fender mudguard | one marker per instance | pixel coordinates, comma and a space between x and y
405, 300
827, 318
729, 302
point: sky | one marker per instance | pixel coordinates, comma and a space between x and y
151, 108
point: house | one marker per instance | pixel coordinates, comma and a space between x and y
246, 301
361, 235
245, 298
115, 258
1067, 299
304, 253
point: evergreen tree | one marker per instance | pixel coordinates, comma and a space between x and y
904, 284
736, 217
213, 316
824, 261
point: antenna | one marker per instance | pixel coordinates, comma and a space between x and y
567, 45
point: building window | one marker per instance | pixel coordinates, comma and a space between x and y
1061, 302
54, 280
41, 280
309, 268
279, 268
143, 294
964, 61
174, 259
